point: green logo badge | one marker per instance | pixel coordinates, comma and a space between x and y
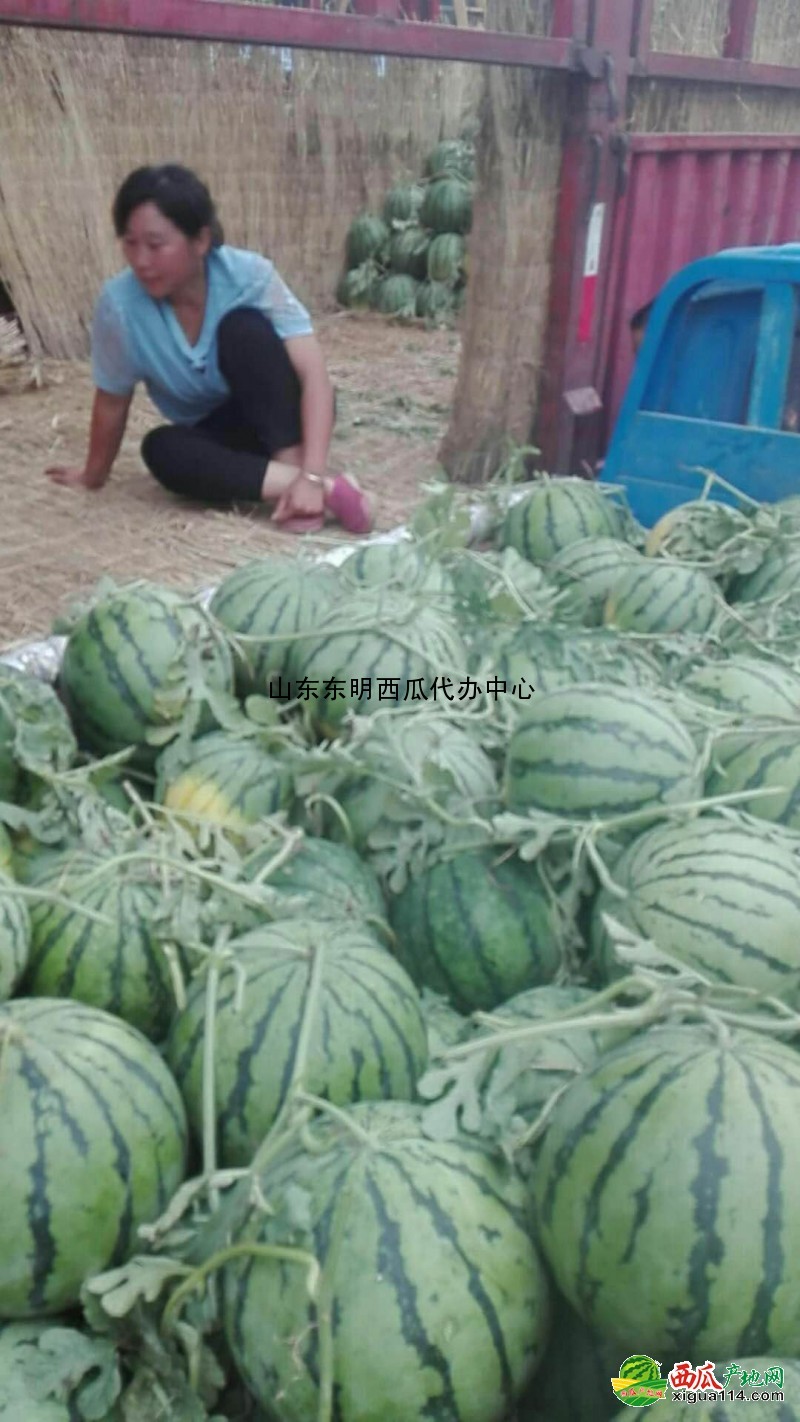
640, 1383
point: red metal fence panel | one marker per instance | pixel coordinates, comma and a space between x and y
688, 196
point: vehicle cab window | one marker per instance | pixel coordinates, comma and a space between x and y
709, 355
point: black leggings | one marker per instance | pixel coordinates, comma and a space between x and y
224, 457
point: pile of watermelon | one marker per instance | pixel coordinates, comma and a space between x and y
400, 979
411, 260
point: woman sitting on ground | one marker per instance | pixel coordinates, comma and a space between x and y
226, 352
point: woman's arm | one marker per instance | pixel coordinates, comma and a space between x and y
109, 418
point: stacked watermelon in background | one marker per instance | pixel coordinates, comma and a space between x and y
411, 261
400, 978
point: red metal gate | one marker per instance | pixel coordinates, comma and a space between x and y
688, 196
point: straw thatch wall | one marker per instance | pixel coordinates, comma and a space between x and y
519, 155
290, 159
703, 108
690, 26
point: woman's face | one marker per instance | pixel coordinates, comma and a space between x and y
160, 256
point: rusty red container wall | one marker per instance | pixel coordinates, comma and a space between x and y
688, 197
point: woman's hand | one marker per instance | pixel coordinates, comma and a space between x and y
304, 498
73, 476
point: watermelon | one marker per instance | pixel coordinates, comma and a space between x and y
592, 750
549, 657
367, 237
408, 252
477, 929
331, 879
35, 733
402, 203
556, 514
118, 964
358, 287
776, 576
15, 935
747, 687
321, 880
715, 895
374, 652
20, 1399
400, 563
401, 763
274, 599
365, 1037
6, 852
94, 1145
661, 597
651, 1161
523, 1075
446, 258
640, 1369
768, 760
425, 1246
227, 780
783, 1374
594, 564
453, 157
130, 667
397, 296
434, 301
447, 206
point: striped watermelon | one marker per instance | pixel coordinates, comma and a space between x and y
366, 1038
592, 750
95, 1146
715, 895
435, 301
722, 1409
15, 935
408, 252
477, 929
446, 258
652, 1162
594, 564
433, 1285
556, 514
376, 650
524, 1075
35, 733
447, 206
402, 203
274, 599
117, 964
400, 563
368, 237
397, 295
130, 664
20, 1398
323, 879
640, 1368
6, 852
227, 780
747, 687
549, 657
661, 597
451, 157
769, 760
411, 755
777, 575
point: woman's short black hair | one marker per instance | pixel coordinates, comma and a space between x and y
178, 194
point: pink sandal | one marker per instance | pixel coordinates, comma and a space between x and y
350, 506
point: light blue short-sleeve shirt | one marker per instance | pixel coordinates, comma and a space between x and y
137, 337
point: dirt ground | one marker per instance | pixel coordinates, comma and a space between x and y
395, 386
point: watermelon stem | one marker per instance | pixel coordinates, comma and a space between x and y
195, 1281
